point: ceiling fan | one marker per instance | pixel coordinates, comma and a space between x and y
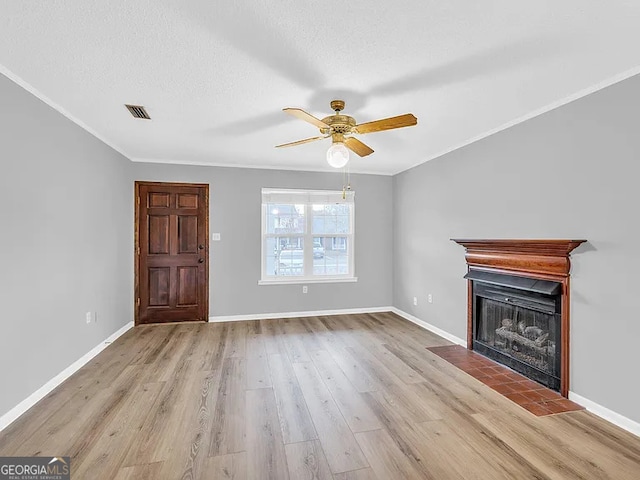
341, 128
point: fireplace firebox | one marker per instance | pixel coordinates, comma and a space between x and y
518, 327
518, 305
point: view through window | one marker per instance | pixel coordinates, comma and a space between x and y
307, 235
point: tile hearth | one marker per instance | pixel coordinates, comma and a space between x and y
530, 395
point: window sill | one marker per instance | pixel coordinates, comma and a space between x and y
300, 281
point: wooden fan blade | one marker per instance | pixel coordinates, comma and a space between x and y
307, 117
357, 146
300, 142
406, 120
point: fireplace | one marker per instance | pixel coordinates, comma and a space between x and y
518, 305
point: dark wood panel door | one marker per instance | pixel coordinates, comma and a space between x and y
172, 252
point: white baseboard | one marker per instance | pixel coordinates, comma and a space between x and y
44, 390
428, 326
271, 316
609, 415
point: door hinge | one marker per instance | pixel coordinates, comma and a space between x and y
138, 302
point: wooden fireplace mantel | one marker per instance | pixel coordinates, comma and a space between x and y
544, 259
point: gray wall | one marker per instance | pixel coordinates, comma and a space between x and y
65, 242
235, 213
570, 173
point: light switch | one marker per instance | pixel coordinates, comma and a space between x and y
215, 237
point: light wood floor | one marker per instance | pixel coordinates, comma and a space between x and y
341, 397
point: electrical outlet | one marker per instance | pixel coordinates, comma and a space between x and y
305, 289
430, 298
415, 300
88, 317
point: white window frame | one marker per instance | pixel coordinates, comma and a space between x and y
307, 198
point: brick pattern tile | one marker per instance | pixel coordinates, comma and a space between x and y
530, 395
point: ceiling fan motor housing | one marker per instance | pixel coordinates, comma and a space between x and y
338, 124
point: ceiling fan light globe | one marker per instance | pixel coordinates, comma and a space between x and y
338, 155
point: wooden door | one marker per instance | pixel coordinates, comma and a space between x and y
172, 267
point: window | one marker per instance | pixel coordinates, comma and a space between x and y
307, 236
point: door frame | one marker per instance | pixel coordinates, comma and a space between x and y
136, 246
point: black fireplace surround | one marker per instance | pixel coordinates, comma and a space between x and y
517, 322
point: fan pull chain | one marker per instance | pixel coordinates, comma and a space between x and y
346, 181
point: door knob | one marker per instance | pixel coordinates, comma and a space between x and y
201, 260
200, 247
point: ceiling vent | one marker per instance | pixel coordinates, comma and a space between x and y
138, 111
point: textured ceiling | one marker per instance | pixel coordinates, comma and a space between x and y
215, 75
